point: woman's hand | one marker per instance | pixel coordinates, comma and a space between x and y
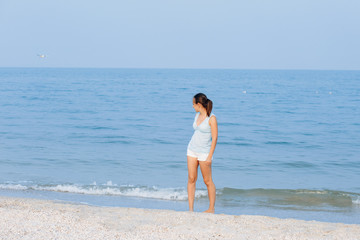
208, 161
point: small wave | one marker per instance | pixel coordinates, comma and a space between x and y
356, 201
298, 164
114, 141
13, 187
178, 194
298, 197
95, 127
229, 124
235, 143
278, 143
161, 141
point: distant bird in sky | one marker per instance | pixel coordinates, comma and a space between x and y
41, 55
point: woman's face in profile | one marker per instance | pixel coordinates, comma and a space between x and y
196, 106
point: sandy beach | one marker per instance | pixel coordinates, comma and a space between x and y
22, 218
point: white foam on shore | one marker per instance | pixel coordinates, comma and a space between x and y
356, 201
109, 188
172, 194
13, 187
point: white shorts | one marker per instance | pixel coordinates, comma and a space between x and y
199, 156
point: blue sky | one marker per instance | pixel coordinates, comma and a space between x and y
278, 34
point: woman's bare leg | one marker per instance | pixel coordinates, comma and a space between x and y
206, 173
192, 177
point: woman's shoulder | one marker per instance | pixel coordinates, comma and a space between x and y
212, 120
212, 116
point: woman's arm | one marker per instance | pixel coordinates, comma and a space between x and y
214, 136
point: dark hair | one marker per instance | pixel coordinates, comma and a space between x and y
205, 102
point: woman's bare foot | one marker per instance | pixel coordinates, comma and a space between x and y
210, 211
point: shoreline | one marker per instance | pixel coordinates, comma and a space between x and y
46, 219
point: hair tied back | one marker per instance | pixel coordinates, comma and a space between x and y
205, 102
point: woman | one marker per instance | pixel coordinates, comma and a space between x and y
201, 149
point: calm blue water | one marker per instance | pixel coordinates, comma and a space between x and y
289, 141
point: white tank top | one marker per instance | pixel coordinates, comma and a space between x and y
201, 139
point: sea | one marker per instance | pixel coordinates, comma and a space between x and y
288, 145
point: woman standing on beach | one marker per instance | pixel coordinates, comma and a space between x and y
201, 149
